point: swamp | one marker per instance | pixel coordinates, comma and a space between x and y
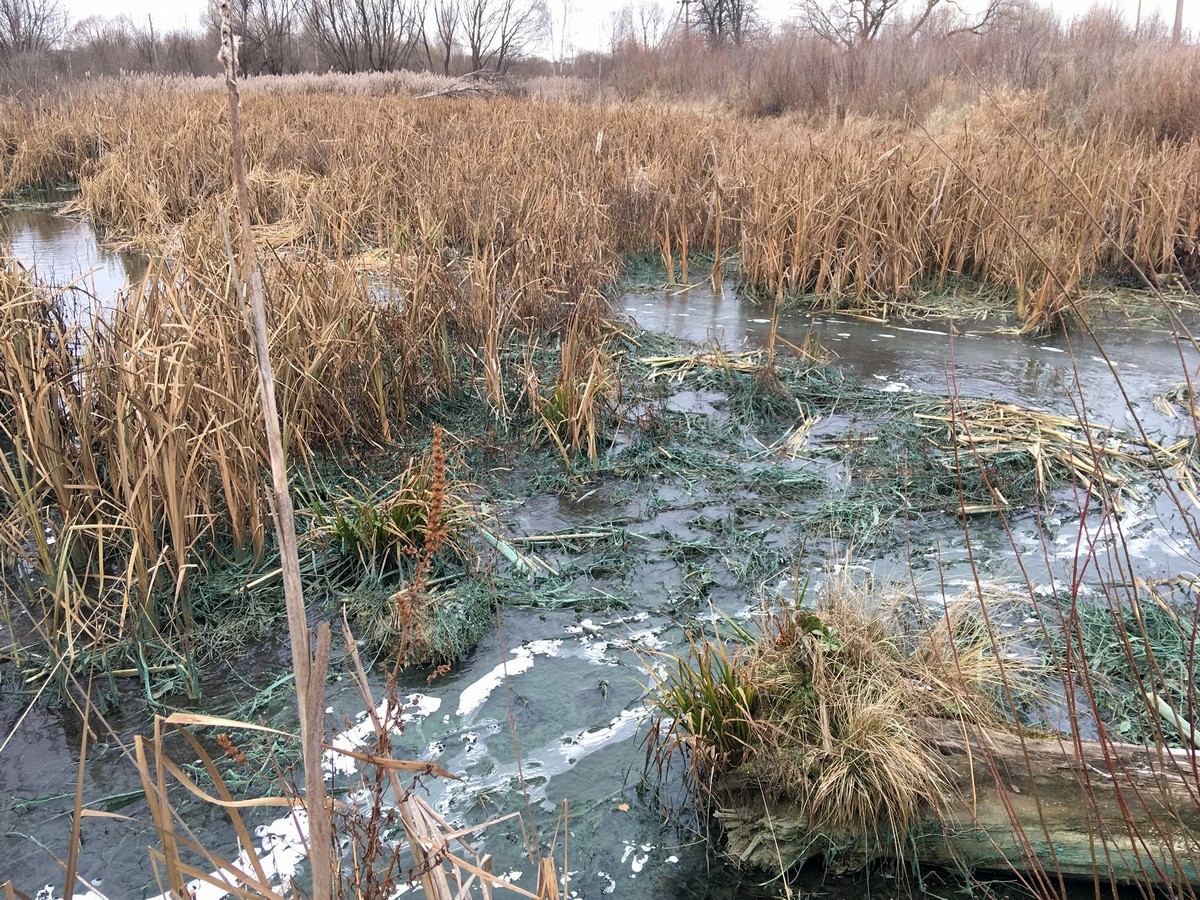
499, 495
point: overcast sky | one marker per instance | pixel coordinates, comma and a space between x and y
590, 18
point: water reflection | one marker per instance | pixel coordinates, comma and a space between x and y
1052, 371
66, 252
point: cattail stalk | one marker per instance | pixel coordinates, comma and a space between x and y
310, 667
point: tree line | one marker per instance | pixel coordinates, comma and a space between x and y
877, 56
284, 36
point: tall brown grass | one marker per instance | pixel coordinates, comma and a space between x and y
546, 198
137, 449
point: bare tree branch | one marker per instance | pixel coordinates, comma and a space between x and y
30, 26
366, 35
850, 24
500, 32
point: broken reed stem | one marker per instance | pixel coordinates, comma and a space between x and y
310, 669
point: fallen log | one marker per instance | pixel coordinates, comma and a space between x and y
1114, 812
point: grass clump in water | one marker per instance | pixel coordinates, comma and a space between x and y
438, 625
822, 707
420, 512
1138, 661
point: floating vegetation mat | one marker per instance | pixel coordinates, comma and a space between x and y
1137, 658
678, 367
1101, 459
967, 456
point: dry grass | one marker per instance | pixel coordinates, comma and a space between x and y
544, 198
574, 415
137, 447
820, 708
1101, 460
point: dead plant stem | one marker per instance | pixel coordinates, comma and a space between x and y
310, 668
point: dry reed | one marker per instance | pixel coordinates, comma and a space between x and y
545, 198
137, 450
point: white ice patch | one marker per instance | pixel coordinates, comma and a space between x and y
357, 738
283, 845
596, 652
585, 626
647, 639
892, 387
587, 742
508, 878
49, 893
475, 694
640, 854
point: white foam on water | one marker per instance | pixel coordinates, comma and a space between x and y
358, 738
282, 848
476, 693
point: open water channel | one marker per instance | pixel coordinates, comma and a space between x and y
552, 702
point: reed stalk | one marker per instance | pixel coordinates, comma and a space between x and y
310, 665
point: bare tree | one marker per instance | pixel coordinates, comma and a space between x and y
445, 29
724, 21
522, 24
479, 29
856, 23
500, 32
108, 45
101, 46
30, 26
560, 29
267, 31
366, 35
639, 26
